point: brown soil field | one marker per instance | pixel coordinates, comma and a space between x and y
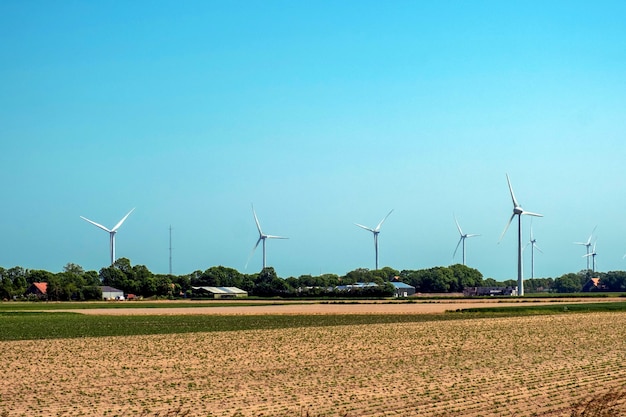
315, 307
523, 366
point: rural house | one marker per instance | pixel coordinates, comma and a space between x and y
38, 289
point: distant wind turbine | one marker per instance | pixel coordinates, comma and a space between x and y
375, 231
111, 232
587, 244
593, 256
519, 212
534, 246
262, 237
461, 239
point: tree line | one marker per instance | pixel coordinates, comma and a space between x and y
74, 283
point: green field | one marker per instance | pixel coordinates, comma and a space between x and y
30, 325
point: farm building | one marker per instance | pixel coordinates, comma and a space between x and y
489, 291
402, 289
110, 293
38, 289
220, 292
356, 285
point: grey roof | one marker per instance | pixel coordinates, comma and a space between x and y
106, 288
399, 284
222, 290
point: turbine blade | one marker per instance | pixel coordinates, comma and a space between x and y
96, 224
458, 226
256, 220
275, 237
252, 252
117, 226
365, 227
382, 221
472, 235
507, 227
529, 213
457, 247
537, 247
515, 203
591, 235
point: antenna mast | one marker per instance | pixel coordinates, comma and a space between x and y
170, 250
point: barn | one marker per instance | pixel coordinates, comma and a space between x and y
110, 293
402, 289
220, 292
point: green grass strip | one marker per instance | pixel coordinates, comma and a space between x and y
58, 325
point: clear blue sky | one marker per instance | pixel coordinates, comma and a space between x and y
322, 114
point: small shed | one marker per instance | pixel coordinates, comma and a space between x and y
221, 292
110, 293
38, 289
402, 289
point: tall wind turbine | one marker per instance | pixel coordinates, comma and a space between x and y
593, 256
519, 212
534, 246
262, 237
587, 244
111, 232
375, 231
461, 239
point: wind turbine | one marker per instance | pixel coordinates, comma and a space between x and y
519, 212
593, 256
112, 232
587, 244
376, 231
534, 246
461, 239
262, 237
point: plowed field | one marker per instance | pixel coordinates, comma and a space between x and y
522, 366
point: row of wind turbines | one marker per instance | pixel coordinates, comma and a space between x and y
517, 211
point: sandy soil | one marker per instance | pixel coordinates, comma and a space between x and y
363, 307
505, 367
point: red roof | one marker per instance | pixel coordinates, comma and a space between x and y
41, 286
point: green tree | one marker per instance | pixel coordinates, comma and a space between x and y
465, 277
568, 283
614, 280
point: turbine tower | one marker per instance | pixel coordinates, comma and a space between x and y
262, 237
375, 231
587, 244
461, 239
534, 246
111, 232
593, 256
519, 212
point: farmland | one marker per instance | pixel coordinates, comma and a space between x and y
462, 366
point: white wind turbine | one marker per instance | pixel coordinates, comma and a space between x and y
111, 232
461, 239
592, 254
375, 231
587, 244
534, 246
262, 237
519, 212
